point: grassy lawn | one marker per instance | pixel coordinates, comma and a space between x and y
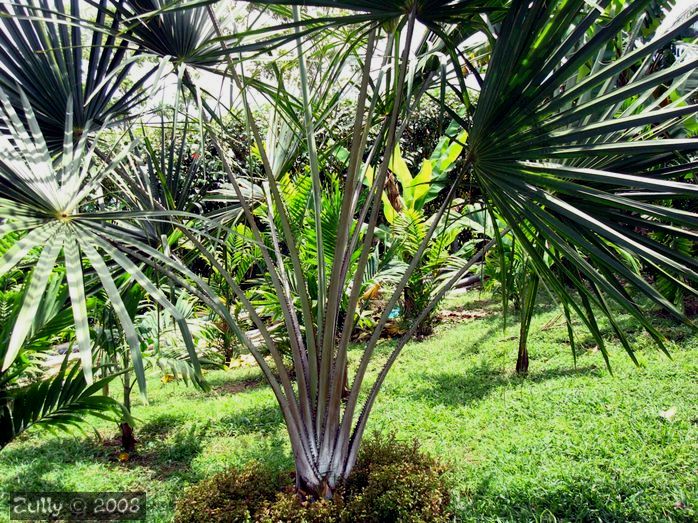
564, 443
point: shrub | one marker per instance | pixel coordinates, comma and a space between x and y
391, 482
395, 481
289, 508
235, 495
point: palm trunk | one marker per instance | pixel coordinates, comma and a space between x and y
128, 440
526, 313
228, 351
413, 309
309, 486
522, 359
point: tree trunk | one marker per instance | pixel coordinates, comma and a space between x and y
527, 304
128, 441
412, 310
228, 352
522, 360
309, 486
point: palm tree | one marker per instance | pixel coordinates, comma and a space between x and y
566, 141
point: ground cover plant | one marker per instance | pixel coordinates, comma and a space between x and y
182, 227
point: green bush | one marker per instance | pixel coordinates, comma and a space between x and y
391, 482
394, 481
290, 508
235, 495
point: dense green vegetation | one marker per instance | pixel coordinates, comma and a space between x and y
574, 443
296, 186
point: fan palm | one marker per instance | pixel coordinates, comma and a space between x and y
46, 199
168, 29
577, 159
41, 54
566, 144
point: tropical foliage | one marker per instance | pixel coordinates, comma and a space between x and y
568, 128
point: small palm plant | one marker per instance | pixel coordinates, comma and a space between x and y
565, 142
29, 396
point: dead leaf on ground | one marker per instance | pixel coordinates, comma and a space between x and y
668, 414
461, 315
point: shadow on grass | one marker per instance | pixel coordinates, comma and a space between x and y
171, 456
475, 384
41, 460
272, 452
169, 444
573, 499
160, 426
223, 380
495, 326
265, 420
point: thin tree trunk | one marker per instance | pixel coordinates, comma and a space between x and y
128, 440
412, 311
522, 359
527, 305
228, 351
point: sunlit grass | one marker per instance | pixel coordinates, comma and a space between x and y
576, 443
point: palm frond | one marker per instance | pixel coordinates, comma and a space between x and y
41, 50
571, 188
60, 402
178, 30
427, 11
46, 200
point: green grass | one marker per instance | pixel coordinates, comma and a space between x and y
564, 443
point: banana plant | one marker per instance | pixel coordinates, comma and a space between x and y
404, 201
412, 193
